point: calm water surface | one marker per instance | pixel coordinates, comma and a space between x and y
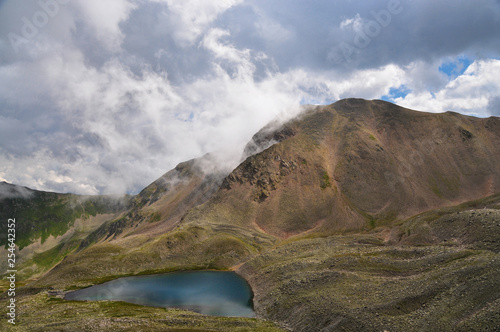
213, 293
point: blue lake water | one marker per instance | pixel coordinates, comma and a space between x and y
216, 293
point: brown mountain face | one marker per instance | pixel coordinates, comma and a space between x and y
358, 164
159, 207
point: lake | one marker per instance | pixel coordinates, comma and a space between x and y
216, 293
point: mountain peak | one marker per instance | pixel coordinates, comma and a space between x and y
356, 164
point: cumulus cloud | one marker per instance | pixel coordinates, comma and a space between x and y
104, 18
474, 93
494, 106
190, 18
113, 130
107, 96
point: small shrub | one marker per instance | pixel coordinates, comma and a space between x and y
325, 181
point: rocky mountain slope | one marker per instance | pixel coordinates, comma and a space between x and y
357, 216
357, 165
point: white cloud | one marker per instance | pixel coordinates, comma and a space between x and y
327, 87
355, 23
2, 174
212, 42
188, 19
140, 124
272, 31
421, 76
469, 93
86, 109
104, 18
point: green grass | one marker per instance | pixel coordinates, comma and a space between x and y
40, 312
49, 214
325, 181
53, 256
155, 217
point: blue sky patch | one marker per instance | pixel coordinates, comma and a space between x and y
394, 93
315, 101
456, 67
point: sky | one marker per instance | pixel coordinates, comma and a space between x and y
103, 97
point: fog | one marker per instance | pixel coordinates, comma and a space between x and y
105, 97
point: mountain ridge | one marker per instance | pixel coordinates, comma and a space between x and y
361, 148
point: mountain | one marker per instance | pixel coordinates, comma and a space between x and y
357, 165
356, 216
50, 225
160, 206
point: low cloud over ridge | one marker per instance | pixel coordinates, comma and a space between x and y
104, 98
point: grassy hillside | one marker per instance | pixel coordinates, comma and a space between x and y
49, 226
41, 214
46, 312
361, 281
440, 276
